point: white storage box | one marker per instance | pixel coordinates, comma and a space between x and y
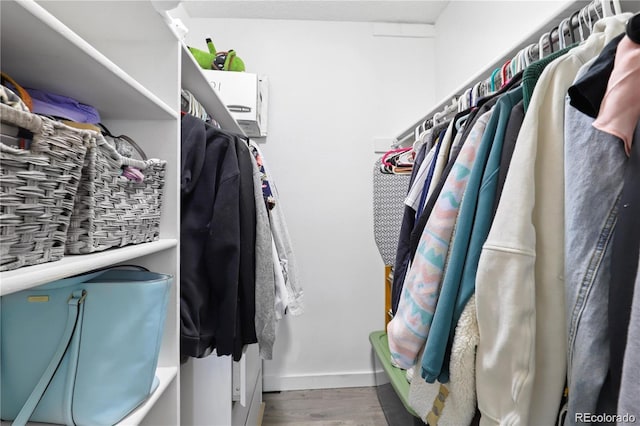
245, 95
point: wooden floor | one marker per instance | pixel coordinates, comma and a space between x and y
326, 407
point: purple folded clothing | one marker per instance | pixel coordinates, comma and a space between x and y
51, 104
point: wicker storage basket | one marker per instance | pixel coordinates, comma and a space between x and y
110, 210
37, 189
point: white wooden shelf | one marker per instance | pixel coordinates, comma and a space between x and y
70, 66
32, 276
165, 375
194, 81
129, 21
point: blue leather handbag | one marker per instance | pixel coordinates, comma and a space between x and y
82, 350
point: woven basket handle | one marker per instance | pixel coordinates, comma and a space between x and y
134, 145
24, 95
26, 120
126, 138
123, 161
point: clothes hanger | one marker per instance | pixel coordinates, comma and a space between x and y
493, 81
436, 117
422, 134
486, 86
571, 27
591, 22
541, 45
520, 61
460, 122
476, 93
562, 30
463, 101
467, 99
524, 58
617, 7
557, 31
580, 27
606, 8
452, 105
528, 55
585, 14
504, 73
513, 67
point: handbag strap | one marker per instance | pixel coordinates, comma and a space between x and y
74, 316
110, 268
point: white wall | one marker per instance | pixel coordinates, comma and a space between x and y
472, 34
333, 88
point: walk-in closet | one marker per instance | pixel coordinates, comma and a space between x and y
319, 212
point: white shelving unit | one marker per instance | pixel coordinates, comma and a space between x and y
48, 48
55, 47
122, 58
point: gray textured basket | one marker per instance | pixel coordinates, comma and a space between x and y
111, 211
37, 189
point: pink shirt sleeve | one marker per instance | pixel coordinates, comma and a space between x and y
620, 109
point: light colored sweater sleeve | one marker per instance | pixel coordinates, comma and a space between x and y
521, 360
442, 159
265, 319
408, 330
284, 249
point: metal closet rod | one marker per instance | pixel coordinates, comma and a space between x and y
576, 19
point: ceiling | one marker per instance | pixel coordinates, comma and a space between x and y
397, 11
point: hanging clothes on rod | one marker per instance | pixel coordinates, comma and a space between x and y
190, 105
412, 232
286, 265
503, 237
235, 246
212, 240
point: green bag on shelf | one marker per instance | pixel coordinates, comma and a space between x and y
82, 350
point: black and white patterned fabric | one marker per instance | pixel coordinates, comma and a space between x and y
9, 97
389, 192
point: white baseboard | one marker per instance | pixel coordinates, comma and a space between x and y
324, 381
